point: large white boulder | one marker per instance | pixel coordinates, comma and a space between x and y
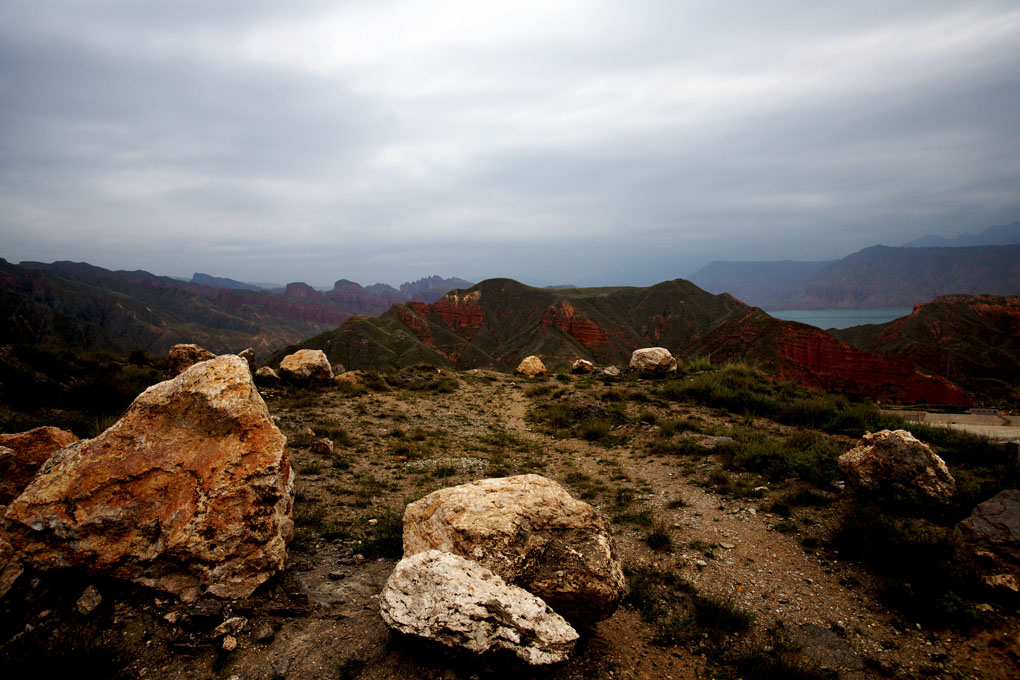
449, 599
653, 360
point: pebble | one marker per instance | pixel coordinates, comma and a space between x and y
337, 575
727, 546
89, 600
229, 643
701, 563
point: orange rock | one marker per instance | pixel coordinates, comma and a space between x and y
190, 491
182, 357
23, 453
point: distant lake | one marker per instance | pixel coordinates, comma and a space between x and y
841, 318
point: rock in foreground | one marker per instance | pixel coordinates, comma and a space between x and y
23, 453
452, 600
189, 492
531, 532
531, 366
894, 460
653, 360
306, 366
993, 530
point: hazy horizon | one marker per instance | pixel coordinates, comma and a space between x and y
583, 143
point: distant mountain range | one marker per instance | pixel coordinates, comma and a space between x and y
75, 304
999, 235
497, 322
875, 277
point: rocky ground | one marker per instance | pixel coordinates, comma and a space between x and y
727, 578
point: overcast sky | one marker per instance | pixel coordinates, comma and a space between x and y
578, 141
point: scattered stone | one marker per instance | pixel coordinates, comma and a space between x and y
531, 366
190, 491
249, 356
182, 357
611, 371
266, 375
337, 575
653, 360
89, 600
531, 532
323, 445
229, 643
23, 453
358, 559
306, 366
459, 603
231, 626
894, 460
582, 366
353, 377
263, 632
727, 546
372, 522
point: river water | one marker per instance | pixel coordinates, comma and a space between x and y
841, 318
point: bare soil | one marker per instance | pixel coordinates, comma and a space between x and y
804, 604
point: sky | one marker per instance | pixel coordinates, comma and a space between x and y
592, 142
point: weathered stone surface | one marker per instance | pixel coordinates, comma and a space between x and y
306, 365
653, 360
582, 366
266, 375
89, 600
611, 371
190, 491
995, 525
896, 460
23, 453
532, 533
531, 365
182, 357
454, 601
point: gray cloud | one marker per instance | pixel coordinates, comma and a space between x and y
589, 142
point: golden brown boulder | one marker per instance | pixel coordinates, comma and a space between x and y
182, 357
189, 492
23, 453
531, 366
531, 532
305, 366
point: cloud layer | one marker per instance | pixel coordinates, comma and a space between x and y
586, 142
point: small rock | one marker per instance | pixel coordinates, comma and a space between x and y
231, 626
280, 670
89, 600
701, 563
582, 366
372, 522
323, 446
727, 546
359, 559
263, 632
307, 366
611, 371
229, 643
171, 617
337, 575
